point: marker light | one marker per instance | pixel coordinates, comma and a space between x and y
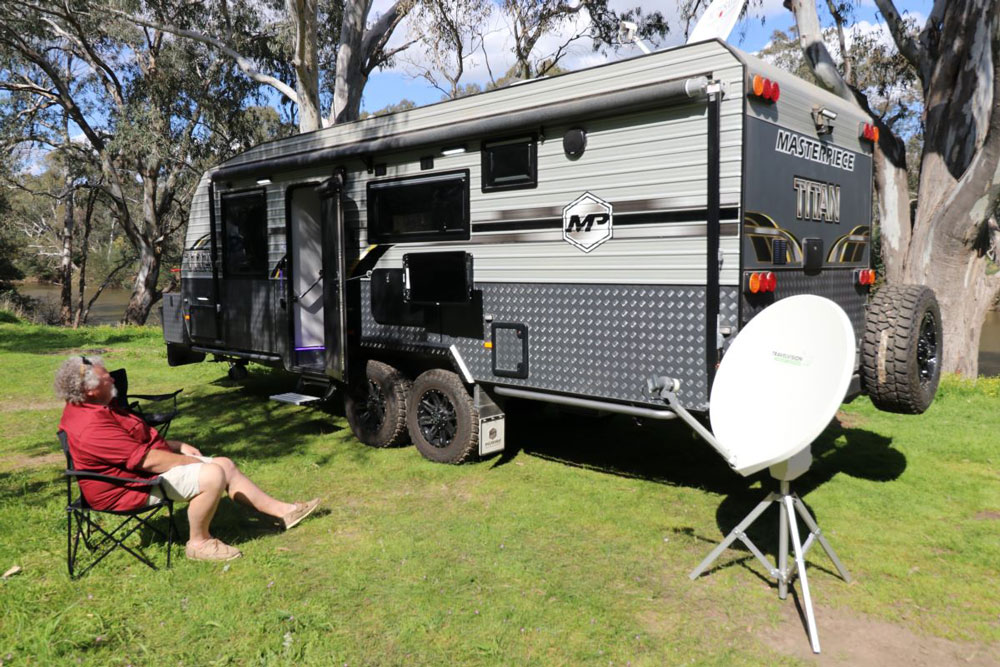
764, 88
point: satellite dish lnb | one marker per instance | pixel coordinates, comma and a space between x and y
781, 381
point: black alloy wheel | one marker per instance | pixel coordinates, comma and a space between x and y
437, 419
927, 349
442, 418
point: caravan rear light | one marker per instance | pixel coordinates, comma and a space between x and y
760, 282
865, 276
869, 132
764, 88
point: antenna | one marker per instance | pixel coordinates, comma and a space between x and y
629, 32
778, 386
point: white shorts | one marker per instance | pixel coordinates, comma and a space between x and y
180, 482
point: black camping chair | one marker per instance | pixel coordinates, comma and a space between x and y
158, 416
95, 538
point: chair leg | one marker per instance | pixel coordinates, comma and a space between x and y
112, 540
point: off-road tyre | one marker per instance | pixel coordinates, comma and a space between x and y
442, 418
901, 349
376, 411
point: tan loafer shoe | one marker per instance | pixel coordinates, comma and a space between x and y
212, 549
301, 511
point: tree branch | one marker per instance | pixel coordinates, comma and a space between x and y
245, 65
909, 48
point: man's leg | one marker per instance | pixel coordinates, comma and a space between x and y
201, 508
244, 491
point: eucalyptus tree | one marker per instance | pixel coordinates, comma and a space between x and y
943, 241
147, 109
328, 47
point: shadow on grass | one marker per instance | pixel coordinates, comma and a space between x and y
670, 453
246, 424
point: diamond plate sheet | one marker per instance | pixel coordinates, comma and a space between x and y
838, 286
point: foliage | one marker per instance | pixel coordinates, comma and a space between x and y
573, 548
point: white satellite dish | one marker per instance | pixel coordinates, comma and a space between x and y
781, 381
778, 386
717, 21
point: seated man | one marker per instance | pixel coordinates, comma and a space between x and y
110, 442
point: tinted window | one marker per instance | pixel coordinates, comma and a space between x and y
423, 208
244, 219
510, 164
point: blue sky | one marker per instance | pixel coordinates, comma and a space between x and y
750, 34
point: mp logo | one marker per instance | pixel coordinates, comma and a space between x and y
587, 222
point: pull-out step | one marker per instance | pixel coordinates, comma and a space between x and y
295, 398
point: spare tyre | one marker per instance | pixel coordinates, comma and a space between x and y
376, 410
901, 349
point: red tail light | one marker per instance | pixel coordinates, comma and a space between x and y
869, 132
865, 276
760, 282
764, 88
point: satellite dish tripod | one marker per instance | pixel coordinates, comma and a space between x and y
789, 504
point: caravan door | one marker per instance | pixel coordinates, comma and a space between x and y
306, 279
334, 277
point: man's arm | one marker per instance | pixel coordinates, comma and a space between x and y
160, 460
182, 448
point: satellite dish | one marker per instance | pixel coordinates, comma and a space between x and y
781, 381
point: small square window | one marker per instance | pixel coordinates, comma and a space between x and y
421, 208
510, 164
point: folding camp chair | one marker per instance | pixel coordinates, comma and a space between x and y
158, 416
92, 534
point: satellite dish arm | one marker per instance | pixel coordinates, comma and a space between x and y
665, 388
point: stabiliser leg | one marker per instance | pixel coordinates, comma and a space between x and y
789, 505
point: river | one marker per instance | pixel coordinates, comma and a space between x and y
111, 305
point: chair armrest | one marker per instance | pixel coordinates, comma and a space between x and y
82, 474
156, 397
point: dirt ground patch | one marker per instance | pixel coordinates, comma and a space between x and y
849, 638
19, 461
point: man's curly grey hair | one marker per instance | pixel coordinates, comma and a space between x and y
75, 377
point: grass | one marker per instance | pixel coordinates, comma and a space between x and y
573, 547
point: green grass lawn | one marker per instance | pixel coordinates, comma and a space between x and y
573, 547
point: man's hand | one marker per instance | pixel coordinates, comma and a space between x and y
183, 448
160, 460
189, 450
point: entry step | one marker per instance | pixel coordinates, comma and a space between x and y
295, 398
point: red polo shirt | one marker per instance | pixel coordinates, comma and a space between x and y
109, 442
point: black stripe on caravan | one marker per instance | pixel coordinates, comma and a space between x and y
696, 215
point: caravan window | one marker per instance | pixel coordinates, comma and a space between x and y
244, 243
510, 164
421, 208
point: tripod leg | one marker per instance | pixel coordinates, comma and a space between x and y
783, 551
814, 527
800, 561
733, 535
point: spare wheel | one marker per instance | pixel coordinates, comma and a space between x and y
442, 418
901, 349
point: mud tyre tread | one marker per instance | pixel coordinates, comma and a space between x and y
890, 369
395, 388
464, 446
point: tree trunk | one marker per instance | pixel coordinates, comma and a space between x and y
144, 292
350, 82
305, 61
66, 255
